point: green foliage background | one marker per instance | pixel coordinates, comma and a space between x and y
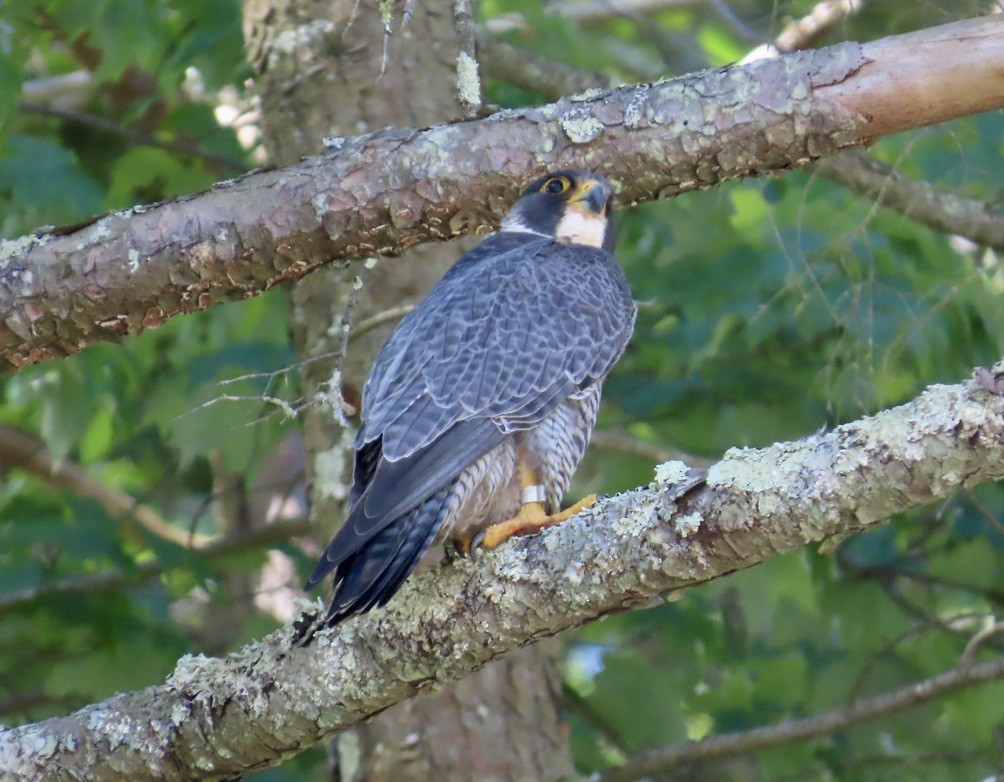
773, 308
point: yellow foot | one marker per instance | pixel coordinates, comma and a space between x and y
530, 520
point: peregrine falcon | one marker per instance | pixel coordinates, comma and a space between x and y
480, 405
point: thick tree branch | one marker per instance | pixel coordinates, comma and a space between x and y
382, 193
659, 761
223, 717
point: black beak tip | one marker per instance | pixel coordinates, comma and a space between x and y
597, 197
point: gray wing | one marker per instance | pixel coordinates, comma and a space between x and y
512, 330
506, 338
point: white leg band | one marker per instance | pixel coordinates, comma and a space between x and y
534, 493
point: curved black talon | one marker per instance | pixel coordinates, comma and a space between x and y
474, 550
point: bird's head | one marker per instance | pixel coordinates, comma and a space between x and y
570, 206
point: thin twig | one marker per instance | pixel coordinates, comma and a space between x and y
739, 27
536, 73
941, 210
992, 520
790, 731
375, 321
331, 391
804, 32
977, 641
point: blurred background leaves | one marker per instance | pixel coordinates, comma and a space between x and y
771, 308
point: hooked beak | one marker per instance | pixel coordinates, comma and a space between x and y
595, 194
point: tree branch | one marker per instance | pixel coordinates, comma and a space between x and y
134, 136
941, 210
659, 761
19, 449
113, 580
379, 194
224, 717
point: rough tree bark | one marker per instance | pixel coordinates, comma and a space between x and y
383, 193
223, 717
320, 75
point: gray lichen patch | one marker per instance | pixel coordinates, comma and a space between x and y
581, 129
468, 80
670, 473
12, 248
688, 525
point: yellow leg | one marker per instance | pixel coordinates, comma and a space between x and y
530, 519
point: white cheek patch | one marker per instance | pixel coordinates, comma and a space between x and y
578, 228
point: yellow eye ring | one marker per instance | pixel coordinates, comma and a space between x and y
556, 186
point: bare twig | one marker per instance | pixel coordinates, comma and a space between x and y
589, 11
379, 319
992, 520
941, 210
790, 731
536, 73
804, 32
741, 29
980, 639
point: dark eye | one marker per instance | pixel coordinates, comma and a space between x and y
556, 185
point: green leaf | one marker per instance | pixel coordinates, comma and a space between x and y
39, 174
60, 394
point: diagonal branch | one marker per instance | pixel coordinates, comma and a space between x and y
941, 210
22, 450
224, 717
380, 194
106, 581
659, 761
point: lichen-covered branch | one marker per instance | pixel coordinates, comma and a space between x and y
679, 756
223, 717
382, 193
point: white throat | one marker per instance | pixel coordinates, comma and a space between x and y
578, 228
